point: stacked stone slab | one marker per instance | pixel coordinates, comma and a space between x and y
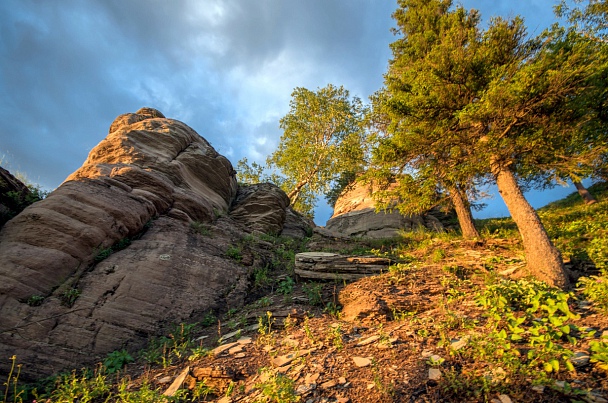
333, 266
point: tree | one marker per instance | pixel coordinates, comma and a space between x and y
322, 139
491, 104
430, 77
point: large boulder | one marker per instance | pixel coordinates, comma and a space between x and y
262, 207
355, 215
114, 255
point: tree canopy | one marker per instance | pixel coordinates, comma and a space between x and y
321, 146
465, 104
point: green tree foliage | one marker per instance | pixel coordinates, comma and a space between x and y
322, 138
320, 151
464, 105
433, 73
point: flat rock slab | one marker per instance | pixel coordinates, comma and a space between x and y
331, 266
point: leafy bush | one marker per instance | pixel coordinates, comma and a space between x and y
116, 360
69, 297
595, 288
234, 252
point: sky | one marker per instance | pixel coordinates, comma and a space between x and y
226, 68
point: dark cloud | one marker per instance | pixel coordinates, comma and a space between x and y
224, 67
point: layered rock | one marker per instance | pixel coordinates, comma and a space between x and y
333, 266
355, 215
256, 206
13, 193
142, 187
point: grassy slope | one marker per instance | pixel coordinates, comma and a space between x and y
448, 305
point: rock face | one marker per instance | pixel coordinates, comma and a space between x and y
355, 215
12, 193
141, 193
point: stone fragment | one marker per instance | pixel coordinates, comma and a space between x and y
235, 350
305, 389
505, 399
177, 383
329, 384
457, 344
434, 374
362, 362
229, 336
367, 341
312, 378
219, 350
538, 388
288, 358
580, 359
244, 340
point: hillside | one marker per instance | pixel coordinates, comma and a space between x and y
443, 324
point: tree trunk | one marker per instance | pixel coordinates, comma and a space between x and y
463, 212
542, 258
587, 197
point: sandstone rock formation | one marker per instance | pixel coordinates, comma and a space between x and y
111, 257
355, 215
13, 193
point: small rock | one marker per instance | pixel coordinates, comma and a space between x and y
235, 350
219, 350
298, 369
305, 389
240, 355
328, 384
285, 369
288, 358
370, 386
164, 380
505, 399
427, 353
224, 399
367, 341
560, 384
229, 336
596, 396
284, 359
341, 399
311, 378
362, 362
342, 380
177, 383
457, 344
538, 388
434, 374
244, 340
580, 359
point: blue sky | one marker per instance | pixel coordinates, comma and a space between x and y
224, 67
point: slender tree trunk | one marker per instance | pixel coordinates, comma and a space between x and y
463, 212
587, 197
542, 257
